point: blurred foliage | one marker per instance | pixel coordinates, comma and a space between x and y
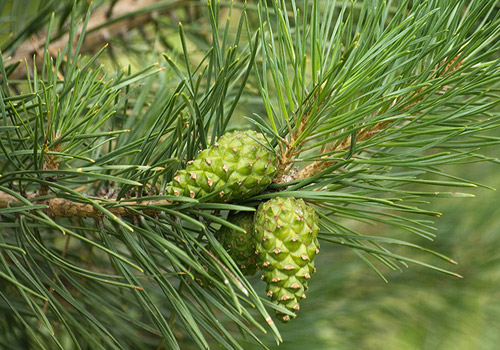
348, 307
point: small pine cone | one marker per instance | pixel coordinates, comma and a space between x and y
240, 245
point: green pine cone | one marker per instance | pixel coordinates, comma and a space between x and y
286, 232
235, 167
239, 245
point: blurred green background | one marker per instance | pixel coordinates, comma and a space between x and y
349, 307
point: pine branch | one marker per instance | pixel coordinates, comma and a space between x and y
66, 208
361, 102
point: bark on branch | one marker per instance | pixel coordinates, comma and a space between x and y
64, 208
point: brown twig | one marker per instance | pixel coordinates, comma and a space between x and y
452, 66
344, 145
65, 208
290, 149
97, 36
366, 133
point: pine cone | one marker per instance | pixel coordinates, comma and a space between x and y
235, 167
239, 245
287, 241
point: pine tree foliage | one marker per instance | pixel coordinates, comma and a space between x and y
359, 100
